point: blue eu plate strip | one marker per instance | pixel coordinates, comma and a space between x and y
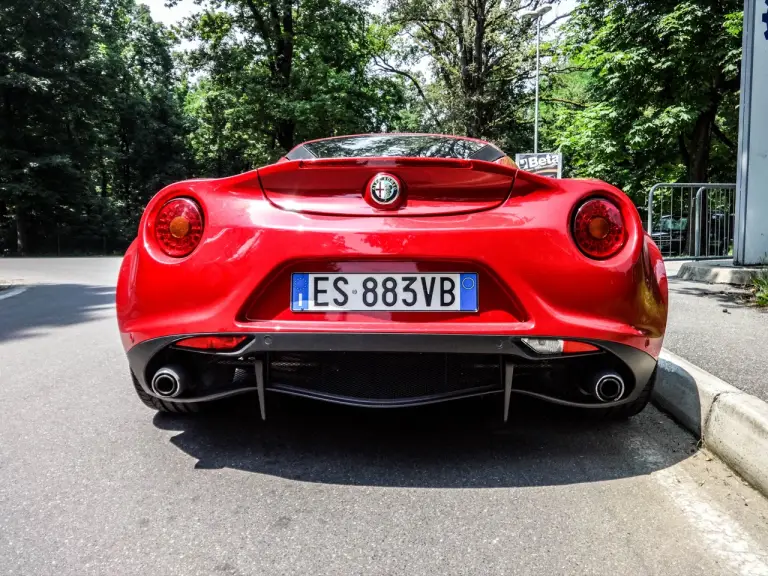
468, 292
300, 292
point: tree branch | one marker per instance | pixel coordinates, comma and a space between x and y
418, 20
526, 75
563, 101
389, 68
567, 69
261, 25
550, 24
723, 138
437, 41
441, 58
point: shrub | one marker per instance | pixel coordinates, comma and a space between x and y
761, 287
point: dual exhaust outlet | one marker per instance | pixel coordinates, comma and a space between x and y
168, 382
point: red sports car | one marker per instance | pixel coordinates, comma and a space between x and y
390, 270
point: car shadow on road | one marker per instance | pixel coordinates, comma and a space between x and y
44, 306
729, 297
456, 445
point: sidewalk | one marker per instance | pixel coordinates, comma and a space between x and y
713, 373
711, 326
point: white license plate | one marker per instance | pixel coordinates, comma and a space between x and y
394, 292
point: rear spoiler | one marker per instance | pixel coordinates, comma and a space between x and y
391, 162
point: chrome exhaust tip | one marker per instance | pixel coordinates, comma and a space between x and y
167, 382
609, 388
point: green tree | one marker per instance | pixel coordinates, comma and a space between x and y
480, 53
656, 91
91, 122
45, 130
277, 72
142, 119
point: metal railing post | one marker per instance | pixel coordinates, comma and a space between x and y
697, 228
650, 206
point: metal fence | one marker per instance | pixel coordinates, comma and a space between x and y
692, 220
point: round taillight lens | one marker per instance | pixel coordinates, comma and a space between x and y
179, 227
599, 228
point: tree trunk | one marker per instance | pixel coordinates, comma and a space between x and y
104, 174
477, 74
698, 172
701, 143
469, 118
285, 134
21, 231
3, 210
274, 23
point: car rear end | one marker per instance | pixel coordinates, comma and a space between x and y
478, 280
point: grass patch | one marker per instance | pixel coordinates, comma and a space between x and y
761, 287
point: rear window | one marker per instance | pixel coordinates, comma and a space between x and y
412, 146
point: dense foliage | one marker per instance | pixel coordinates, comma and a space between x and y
479, 51
91, 124
656, 85
100, 106
275, 74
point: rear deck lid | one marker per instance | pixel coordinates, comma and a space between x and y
390, 175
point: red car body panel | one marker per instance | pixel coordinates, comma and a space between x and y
516, 233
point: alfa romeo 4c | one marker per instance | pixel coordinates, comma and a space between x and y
392, 270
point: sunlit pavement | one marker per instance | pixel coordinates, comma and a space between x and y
92, 482
717, 328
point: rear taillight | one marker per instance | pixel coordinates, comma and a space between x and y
179, 227
598, 228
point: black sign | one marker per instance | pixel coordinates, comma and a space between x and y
543, 164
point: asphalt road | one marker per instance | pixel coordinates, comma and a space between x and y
717, 328
94, 483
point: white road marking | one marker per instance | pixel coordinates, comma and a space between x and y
11, 292
721, 534
724, 536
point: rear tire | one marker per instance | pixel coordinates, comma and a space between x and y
624, 411
165, 405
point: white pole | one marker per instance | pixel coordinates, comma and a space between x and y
750, 242
536, 113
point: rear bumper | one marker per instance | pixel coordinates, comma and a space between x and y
533, 280
374, 369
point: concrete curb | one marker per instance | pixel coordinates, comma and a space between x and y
718, 273
731, 424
